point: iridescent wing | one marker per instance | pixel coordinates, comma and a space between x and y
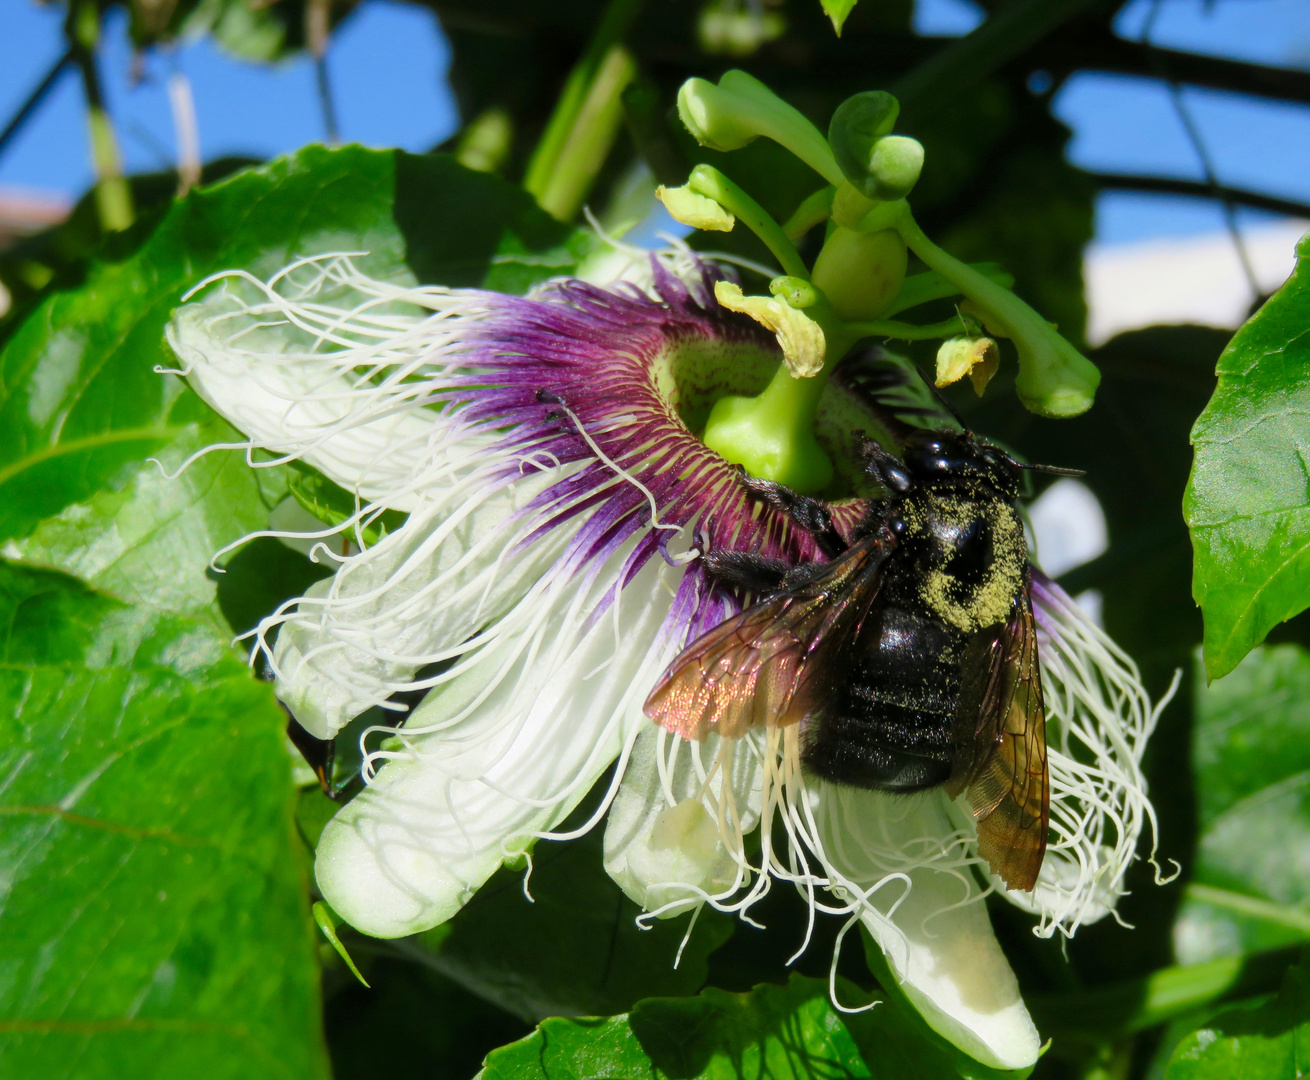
1000, 747
759, 666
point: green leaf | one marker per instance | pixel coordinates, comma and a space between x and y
1255, 1041
776, 1032
1251, 758
837, 11
576, 948
155, 920
151, 539
773, 1031
1247, 502
80, 402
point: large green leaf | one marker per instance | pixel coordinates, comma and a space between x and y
154, 921
779, 1032
151, 539
1256, 1041
1247, 502
80, 401
1251, 758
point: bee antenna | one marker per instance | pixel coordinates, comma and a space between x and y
1051, 470
942, 400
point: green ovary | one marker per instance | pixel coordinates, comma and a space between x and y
861, 273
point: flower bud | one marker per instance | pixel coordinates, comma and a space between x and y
698, 211
712, 116
741, 108
861, 273
858, 123
894, 166
977, 357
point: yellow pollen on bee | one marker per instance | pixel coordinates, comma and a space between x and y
990, 601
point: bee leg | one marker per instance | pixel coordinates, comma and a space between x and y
319, 755
755, 573
812, 515
887, 469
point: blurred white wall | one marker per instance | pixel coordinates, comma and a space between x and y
1192, 279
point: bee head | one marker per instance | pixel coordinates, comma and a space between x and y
934, 456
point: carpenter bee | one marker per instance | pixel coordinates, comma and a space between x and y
909, 656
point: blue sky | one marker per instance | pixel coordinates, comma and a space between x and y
388, 66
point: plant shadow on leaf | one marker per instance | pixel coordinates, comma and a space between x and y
769, 1033
465, 229
259, 577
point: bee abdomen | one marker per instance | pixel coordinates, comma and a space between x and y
888, 725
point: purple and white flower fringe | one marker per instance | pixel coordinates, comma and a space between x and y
556, 500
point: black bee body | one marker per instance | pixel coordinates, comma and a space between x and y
907, 660
886, 719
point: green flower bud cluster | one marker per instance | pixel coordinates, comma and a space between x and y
858, 281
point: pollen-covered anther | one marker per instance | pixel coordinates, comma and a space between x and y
972, 355
698, 211
800, 337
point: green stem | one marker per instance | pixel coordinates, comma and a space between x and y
813, 211
784, 124
588, 144
1294, 918
903, 331
545, 158
707, 180
921, 288
1054, 379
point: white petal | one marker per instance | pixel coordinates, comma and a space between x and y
935, 934
410, 600
299, 405
672, 838
500, 754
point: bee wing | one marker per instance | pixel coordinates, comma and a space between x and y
1000, 747
755, 668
